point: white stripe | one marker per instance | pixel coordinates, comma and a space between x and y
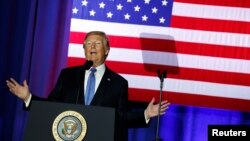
187, 86
211, 12
186, 35
171, 59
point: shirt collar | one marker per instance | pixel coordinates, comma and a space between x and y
99, 70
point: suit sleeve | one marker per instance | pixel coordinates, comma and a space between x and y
133, 118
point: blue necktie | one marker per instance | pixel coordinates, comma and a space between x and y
90, 89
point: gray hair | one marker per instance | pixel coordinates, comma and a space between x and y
101, 33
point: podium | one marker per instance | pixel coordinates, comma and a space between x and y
61, 121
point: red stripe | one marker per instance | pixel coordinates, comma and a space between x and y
76, 37
190, 99
210, 24
71, 61
233, 3
171, 46
174, 72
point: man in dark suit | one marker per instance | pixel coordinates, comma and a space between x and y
110, 89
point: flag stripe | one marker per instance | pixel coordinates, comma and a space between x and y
185, 86
171, 46
211, 12
183, 73
231, 3
185, 35
170, 59
190, 99
208, 24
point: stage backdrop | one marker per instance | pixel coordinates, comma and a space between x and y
203, 45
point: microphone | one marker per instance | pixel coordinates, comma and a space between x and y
88, 64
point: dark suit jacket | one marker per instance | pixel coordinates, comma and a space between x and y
112, 92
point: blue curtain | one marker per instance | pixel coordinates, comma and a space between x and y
34, 41
188, 123
33, 46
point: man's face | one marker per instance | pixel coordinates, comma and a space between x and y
95, 49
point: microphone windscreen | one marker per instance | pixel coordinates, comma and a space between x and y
88, 64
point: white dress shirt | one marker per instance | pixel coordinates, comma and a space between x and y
98, 76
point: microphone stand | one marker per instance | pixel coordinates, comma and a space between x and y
88, 64
161, 75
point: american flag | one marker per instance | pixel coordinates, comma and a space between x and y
203, 45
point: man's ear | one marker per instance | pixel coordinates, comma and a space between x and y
107, 52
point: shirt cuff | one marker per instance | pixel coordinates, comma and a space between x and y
27, 102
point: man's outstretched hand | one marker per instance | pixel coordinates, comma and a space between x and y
152, 109
21, 91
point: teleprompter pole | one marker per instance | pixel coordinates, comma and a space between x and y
161, 75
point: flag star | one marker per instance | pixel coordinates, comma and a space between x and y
109, 14
137, 8
127, 16
101, 5
164, 3
154, 10
129, 1
146, 1
162, 20
119, 6
75, 10
92, 13
144, 18
84, 3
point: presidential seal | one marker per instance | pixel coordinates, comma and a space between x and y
69, 126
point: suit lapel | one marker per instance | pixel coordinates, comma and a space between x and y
100, 92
